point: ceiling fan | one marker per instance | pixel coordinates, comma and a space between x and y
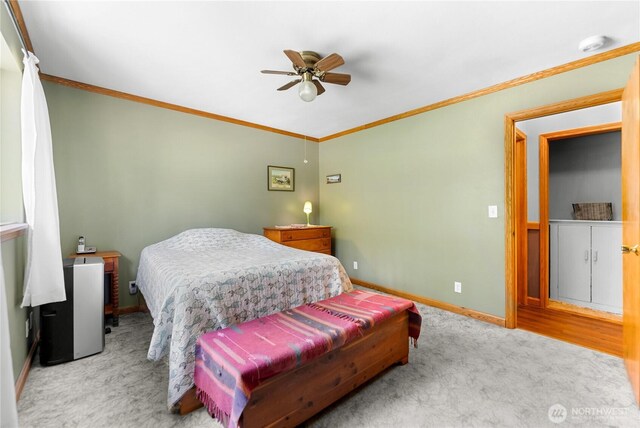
307, 65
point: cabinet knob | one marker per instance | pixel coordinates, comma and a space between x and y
626, 249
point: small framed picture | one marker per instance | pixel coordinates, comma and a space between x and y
281, 178
334, 178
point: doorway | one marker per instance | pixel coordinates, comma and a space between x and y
529, 306
580, 236
572, 289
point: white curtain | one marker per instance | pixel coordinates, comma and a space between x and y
44, 278
8, 414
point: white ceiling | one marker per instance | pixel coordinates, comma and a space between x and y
208, 55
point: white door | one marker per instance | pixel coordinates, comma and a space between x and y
574, 262
606, 273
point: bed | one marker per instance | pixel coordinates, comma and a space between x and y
208, 279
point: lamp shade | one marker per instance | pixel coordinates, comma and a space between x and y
308, 208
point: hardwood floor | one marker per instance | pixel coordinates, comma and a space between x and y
601, 335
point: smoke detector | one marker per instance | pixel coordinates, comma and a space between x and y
592, 43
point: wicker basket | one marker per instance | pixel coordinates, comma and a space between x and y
602, 211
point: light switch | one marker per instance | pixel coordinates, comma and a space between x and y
457, 287
493, 211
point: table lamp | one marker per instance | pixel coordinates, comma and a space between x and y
308, 209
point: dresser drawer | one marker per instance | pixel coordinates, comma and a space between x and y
313, 238
299, 234
323, 244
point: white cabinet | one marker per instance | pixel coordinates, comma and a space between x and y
606, 266
574, 263
585, 266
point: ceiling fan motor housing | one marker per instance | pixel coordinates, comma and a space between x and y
310, 59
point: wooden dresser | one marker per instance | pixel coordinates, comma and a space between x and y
312, 238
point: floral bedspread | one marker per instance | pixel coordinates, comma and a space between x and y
207, 279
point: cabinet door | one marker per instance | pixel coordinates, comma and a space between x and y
574, 262
606, 274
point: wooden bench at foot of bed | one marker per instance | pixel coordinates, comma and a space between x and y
290, 398
294, 396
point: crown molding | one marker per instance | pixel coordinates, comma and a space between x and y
594, 59
169, 106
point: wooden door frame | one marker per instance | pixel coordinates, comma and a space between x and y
521, 215
511, 297
543, 172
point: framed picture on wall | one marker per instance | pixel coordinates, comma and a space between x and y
334, 178
281, 178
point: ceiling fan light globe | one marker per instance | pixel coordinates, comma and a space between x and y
307, 91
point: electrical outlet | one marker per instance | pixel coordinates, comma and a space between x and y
26, 322
457, 287
355, 265
133, 288
493, 211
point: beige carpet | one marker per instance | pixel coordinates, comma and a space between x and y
465, 373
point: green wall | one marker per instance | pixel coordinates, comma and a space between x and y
13, 264
412, 205
13, 256
130, 175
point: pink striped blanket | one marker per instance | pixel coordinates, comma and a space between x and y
232, 362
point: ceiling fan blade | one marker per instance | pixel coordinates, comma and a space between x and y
290, 84
329, 62
295, 58
318, 86
337, 78
286, 73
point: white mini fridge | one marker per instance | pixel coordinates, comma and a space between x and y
75, 328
